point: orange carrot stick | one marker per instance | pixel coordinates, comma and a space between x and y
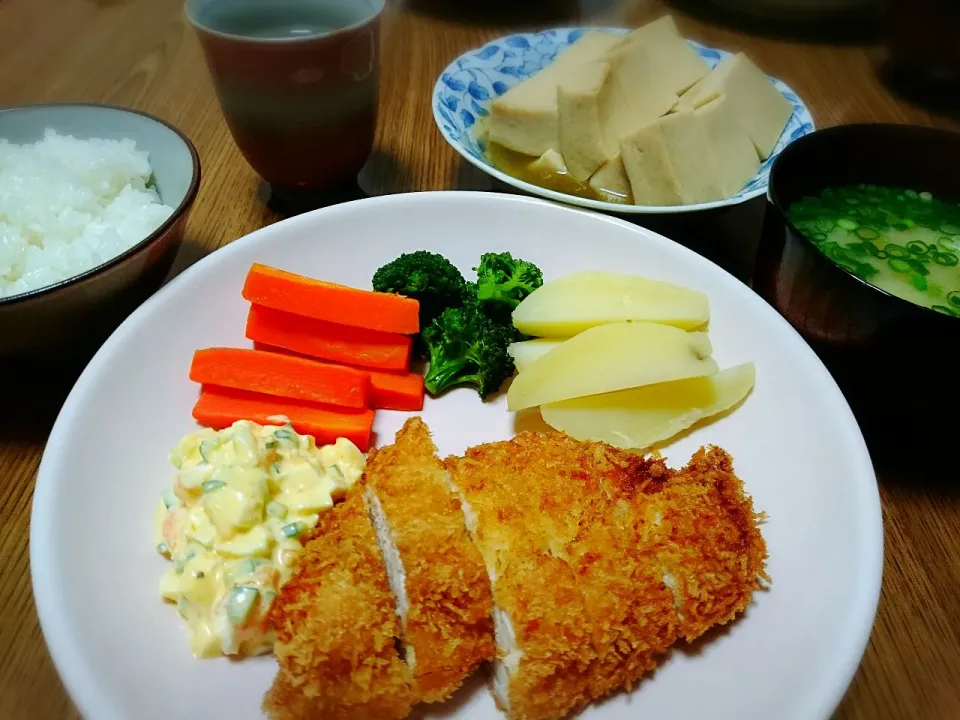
284, 376
328, 301
393, 390
220, 407
396, 391
328, 341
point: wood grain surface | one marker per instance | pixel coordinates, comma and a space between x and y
142, 54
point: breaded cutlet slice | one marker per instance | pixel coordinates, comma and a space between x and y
580, 609
706, 536
436, 573
337, 626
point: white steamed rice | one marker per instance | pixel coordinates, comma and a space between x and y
68, 205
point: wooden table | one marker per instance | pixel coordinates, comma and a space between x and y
142, 53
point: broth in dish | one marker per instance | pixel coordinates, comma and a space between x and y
901, 241
524, 167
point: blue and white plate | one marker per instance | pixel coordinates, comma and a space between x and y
468, 85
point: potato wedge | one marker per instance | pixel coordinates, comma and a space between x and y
641, 417
524, 353
612, 357
571, 304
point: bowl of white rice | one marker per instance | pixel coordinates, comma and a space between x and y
93, 203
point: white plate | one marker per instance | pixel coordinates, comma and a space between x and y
466, 88
123, 654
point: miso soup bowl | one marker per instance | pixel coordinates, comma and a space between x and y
893, 359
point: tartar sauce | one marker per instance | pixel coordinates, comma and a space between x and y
233, 521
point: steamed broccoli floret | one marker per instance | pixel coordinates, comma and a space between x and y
467, 348
426, 277
503, 282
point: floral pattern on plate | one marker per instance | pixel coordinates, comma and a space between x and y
466, 88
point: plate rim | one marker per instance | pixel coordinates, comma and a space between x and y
606, 207
82, 684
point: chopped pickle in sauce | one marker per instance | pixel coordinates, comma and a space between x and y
226, 525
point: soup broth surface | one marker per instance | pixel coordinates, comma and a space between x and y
901, 241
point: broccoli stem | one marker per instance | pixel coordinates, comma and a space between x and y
441, 376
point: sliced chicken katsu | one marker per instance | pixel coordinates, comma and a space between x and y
436, 573
576, 536
337, 626
706, 537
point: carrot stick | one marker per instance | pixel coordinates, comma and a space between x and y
396, 391
393, 390
220, 407
285, 376
328, 341
328, 301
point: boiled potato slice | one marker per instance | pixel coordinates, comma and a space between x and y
641, 417
612, 357
524, 353
571, 304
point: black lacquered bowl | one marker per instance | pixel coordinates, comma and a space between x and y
894, 360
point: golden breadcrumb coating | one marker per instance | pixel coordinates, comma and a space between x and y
565, 528
556, 523
708, 541
448, 625
337, 627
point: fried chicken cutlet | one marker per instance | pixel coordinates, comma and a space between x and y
336, 628
436, 573
591, 561
580, 541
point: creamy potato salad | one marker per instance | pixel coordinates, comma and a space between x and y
233, 522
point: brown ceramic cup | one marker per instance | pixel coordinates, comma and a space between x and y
297, 82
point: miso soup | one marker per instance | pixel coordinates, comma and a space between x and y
901, 241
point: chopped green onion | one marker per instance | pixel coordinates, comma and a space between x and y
917, 247
925, 196
337, 471
944, 258
169, 498
276, 468
898, 265
276, 509
946, 311
867, 233
240, 603
847, 224
953, 298
211, 485
919, 282
271, 444
896, 251
949, 228
949, 244
291, 529
912, 194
